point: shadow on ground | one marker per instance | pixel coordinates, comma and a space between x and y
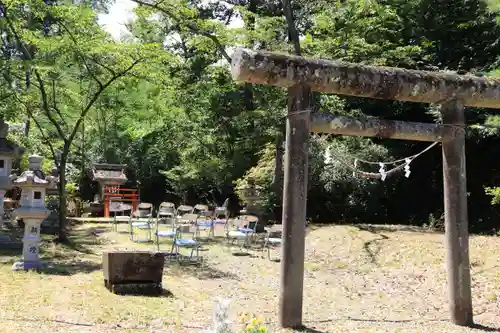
80, 241
372, 247
74, 257
10, 256
137, 293
394, 228
201, 270
64, 322
308, 329
70, 267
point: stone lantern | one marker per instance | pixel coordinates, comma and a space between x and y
8, 151
250, 194
33, 184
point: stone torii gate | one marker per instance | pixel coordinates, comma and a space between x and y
301, 76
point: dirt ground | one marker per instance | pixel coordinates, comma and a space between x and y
358, 279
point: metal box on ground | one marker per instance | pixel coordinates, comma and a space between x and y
131, 272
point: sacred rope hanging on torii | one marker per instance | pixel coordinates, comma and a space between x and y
302, 76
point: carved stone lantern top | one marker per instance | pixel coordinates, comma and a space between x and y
34, 176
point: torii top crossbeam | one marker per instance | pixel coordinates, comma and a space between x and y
364, 81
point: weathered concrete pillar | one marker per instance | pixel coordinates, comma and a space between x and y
294, 205
456, 220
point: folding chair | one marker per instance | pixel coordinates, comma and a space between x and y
185, 242
120, 218
222, 211
169, 233
184, 209
144, 211
120, 208
205, 224
271, 240
241, 231
187, 219
201, 210
166, 210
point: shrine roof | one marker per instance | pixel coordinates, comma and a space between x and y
110, 176
106, 166
30, 177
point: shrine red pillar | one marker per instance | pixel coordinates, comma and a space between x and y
106, 207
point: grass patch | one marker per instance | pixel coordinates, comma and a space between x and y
357, 279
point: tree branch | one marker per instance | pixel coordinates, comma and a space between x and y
190, 25
39, 126
27, 55
54, 103
46, 108
95, 97
103, 66
79, 54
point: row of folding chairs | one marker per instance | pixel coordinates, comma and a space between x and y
182, 220
193, 220
168, 209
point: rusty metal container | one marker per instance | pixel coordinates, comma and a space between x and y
133, 272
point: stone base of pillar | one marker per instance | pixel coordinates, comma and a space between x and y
27, 265
31, 245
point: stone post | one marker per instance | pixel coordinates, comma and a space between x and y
31, 244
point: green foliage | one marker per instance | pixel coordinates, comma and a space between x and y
495, 193
72, 189
163, 101
262, 175
360, 31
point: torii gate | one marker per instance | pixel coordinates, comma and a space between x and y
301, 76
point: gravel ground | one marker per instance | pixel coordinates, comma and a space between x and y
358, 279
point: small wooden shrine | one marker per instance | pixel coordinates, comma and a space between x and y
108, 175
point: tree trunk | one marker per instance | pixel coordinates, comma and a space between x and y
62, 235
27, 126
278, 176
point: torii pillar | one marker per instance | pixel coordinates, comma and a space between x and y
452, 91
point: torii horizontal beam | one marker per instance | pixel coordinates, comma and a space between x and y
374, 127
364, 81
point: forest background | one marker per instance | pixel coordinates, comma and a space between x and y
161, 100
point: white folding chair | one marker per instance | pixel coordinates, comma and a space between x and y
241, 232
144, 211
166, 210
272, 240
120, 207
201, 209
168, 233
184, 209
222, 211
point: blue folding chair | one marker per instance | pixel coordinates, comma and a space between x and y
180, 241
243, 230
